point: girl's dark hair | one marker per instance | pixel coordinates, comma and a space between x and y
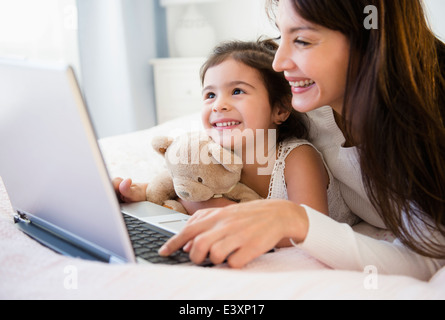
259, 55
394, 110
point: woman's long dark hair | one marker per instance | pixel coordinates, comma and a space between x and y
394, 109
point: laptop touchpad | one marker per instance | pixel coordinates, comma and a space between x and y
176, 226
145, 209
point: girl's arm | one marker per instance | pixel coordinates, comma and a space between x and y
306, 178
307, 181
192, 207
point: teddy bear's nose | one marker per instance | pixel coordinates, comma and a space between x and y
184, 194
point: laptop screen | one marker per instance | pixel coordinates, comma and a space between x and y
50, 161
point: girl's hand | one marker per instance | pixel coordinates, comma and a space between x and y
128, 192
239, 233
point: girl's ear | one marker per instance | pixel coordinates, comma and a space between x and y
279, 115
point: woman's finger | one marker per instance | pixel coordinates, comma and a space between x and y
175, 243
239, 258
228, 234
221, 250
203, 244
188, 234
188, 246
199, 215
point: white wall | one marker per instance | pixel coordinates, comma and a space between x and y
231, 19
117, 41
247, 19
436, 10
39, 30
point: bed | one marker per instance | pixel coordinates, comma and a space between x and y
31, 271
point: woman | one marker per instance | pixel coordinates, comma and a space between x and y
382, 136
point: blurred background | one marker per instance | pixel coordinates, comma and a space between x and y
137, 60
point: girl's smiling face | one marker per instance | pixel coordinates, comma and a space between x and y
314, 59
235, 97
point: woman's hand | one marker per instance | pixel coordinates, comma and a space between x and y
239, 233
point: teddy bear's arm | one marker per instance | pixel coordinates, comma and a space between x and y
242, 193
161, 189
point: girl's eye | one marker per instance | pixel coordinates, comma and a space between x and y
238, 92
210, 95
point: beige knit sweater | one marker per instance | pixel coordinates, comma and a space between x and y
338, 245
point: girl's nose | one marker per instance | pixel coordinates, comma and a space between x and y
221, 107
283, 59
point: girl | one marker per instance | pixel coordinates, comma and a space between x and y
242, 96
377, 111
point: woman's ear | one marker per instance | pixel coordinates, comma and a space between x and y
279, 115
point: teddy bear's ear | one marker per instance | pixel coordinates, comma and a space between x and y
161, 144
226, 158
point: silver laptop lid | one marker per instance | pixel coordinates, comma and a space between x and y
50, 162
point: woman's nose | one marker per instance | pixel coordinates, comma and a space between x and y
283, 59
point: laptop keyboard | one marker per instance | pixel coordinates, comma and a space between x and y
146, 243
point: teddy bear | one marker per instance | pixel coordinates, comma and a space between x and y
198, 169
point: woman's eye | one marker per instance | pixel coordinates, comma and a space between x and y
301, 42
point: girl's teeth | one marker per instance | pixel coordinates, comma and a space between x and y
299, 84
227, 124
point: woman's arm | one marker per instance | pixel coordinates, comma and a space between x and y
340, 247
241, 232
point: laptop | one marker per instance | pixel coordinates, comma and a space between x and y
56, 178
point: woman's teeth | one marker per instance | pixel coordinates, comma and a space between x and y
227, 124
302, 84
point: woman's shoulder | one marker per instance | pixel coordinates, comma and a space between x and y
323, 130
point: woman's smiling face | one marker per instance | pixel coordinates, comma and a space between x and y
314, 60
